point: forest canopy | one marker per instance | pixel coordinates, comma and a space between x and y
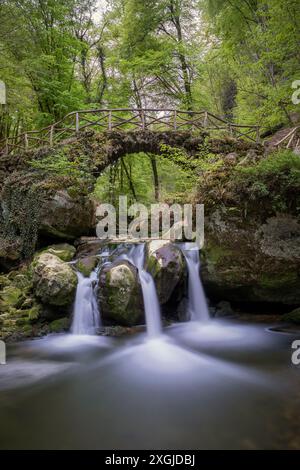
235, 58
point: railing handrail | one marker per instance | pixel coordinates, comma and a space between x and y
290, 135
142, 112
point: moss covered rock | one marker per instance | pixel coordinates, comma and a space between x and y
63, 251
165, 262
86, 265
120, 295
252, 261
293, 317
60, 325
54, 280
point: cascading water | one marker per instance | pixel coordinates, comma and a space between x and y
136, 256
197, 305
86, 315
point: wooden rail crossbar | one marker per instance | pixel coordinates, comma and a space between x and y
108, 120
292, 137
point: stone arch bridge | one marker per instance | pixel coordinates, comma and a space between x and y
128, 120
101, 137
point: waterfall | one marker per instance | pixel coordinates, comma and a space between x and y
86, 315
197, 305
136, 256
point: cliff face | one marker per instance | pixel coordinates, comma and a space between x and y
245, 261
252, 247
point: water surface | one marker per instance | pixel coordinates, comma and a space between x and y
217, 385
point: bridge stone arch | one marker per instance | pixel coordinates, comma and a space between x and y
115, 145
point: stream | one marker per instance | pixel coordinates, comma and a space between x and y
223, 384
203, 384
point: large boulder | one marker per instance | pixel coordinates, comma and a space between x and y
67, 217
120, 294
252, 261
165, 262
54, 280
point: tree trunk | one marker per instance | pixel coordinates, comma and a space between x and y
155, 176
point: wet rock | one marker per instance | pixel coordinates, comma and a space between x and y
182, 311
89, 246
248, 261
120, 295
165, 262
292, 317
86, 265
59, 326
66, 217
54, 280
223, 309
119, 331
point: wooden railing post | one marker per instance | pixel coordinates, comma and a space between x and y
291, 139
77, 123
143, 119
205, 122
26, 141
51, 135
110, 121
258, 134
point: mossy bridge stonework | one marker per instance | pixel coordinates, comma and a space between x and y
129, 120
103, 149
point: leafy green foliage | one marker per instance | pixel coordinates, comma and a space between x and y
174, 182
266, 186
60, 164
259, 52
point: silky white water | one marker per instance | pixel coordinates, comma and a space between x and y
197, 305
86, 315
136, 256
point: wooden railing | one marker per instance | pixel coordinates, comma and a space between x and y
290, 140
108, 120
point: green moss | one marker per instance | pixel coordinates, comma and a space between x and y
11, 296
23, 281
87, 265
63, 251
293, 317
275, 281
216, 253
58, 326
153, 266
